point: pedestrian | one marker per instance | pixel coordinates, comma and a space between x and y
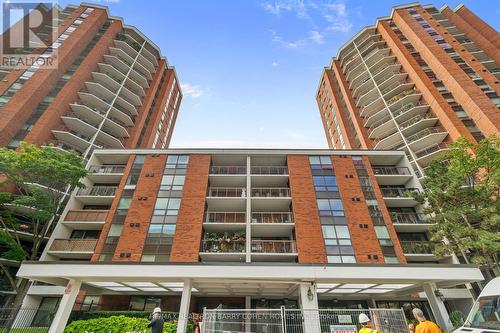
366, 324
424, 325
156, 322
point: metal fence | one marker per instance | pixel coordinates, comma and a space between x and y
25, 320
301, 321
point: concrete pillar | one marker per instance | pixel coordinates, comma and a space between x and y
309, 305
184, 308
248, 312
437, 306
65, 306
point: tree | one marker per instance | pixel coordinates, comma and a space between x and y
38, 179
461, 194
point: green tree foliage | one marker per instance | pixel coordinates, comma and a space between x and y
36, 180
118, 324
461, 191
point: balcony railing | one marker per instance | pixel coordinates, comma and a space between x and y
418, 247
414, 120
227, 192
219, 246
391, 170
396, 98
269, 170
228, 170
267, 217
424, 132
271, 192
408, 218
226, 217
407, 107
107, 169
73, 245
98, 191
398, 192
273, 246
86, 215
432, 149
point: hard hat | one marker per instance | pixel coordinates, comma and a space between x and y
157, 310
364, 318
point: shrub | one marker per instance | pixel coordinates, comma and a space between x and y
118, 324
83, 315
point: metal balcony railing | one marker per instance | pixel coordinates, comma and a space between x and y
424, 132
273, 246
406, 107
418, 247
399, 96
269, 217
228, 170
98, 191
391, 170
218, 246
432, 149
230, 192
86, 215
226, 217
408, 218
398, 192
271, 192
73, 245
107, 169
269, 170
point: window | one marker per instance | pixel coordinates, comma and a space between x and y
177, 161
85, 234
90, 303
161, 230
167, 206
338, 244
325, 183
320, 162
144, 303
172, 182
330, 207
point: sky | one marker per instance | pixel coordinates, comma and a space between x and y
249, 70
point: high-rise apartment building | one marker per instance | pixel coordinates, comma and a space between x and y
111, 88
415, 81
186, 229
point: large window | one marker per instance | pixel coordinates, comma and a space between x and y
144, 303
172, 182
338, 244
167, 206
330, 207
325, 183
320, 162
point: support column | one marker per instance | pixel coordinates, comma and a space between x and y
309, 305
437, 306
184, 307
65, 306
248, 312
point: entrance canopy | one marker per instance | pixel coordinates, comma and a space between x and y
235, 279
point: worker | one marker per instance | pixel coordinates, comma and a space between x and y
157, 321
366, 324
424, 325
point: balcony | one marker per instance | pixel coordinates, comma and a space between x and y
393, 139
226, 199
426, 138
380, 128
272, 224
227, 192
85, 219
271, 192
274, 199
106, 173
223, 250
273, 250
224, 221
392, 175
73, 248
97, 195
416, 251
409, 222
426, 155
72, 138
269, 170
399, 196
228, 170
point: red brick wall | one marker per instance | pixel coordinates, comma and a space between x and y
364, 240
310, 243
188, 233
140, 211
479, 25
477, 105
51, 118
22, 104
114, 302
423, 83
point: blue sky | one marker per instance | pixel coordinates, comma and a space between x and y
250, 69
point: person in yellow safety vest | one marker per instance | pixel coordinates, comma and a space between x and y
366, 324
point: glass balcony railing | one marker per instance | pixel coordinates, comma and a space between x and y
269, 217
73, 245
408, 218
220, 246
228, 192
269, 170
273, 246
396, 192
226, 217
228, 170
98, 191
271, 192
391, 170
107, 169
86, 215
418, 247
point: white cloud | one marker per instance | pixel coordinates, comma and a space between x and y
193, 91
294, 134
284, 43
274, 64
316, 37
276, 8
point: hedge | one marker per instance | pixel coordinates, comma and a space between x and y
84, 315
118, 324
